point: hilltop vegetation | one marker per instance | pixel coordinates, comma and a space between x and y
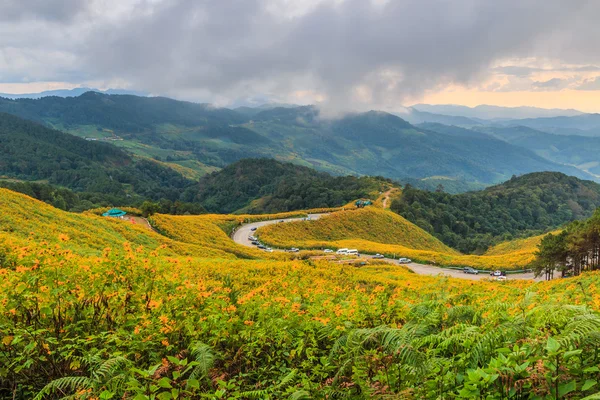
370, 223
142, 319
530, 204
261, 186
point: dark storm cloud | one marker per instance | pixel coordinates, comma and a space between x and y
385, 51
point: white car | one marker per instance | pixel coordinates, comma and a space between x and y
501, 278
294, 250
342, 251
269, 250
496, 273
404, 260
352, 252
327, 251
378, 256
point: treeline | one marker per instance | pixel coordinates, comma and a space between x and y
267, 186
574, 250
523, 206
68, 200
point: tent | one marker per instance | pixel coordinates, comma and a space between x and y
114, 212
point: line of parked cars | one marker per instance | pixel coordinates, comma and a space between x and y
254, 240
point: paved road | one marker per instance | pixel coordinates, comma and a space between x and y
241, 235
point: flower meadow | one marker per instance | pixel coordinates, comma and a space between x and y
136, 315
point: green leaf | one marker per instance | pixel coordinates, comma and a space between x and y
572, 353
552, 345
164, 383
105, 395
566, 388
193, 383
589, 384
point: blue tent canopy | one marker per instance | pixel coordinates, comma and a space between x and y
114, 212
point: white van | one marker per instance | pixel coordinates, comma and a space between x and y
342, 251
352, 252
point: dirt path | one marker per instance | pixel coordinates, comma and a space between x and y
386, 198
140, 221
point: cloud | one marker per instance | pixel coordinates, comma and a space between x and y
551, 84
351, 53
590, 84
50, 10
516, 70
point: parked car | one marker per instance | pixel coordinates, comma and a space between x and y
404, 260
497, 273
342, 251
469, 270
377, 256
501, 278
254, 242
352, 252
253, 229
327, 251
294, 250
262, 246
269, 250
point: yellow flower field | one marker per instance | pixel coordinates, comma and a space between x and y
95, 308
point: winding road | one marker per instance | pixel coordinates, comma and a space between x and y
241, 235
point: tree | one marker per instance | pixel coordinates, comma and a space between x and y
552, 254
149, 208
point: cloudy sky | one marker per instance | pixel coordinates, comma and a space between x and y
346, 54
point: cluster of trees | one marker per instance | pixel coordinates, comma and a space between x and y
575, 249
268, 186
523, 206
171, 207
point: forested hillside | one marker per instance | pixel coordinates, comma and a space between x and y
530, 204
32, 152
200, 138
266, 185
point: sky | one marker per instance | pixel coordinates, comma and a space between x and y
342, 54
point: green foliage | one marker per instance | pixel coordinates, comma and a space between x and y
260, 186
574, 250
32, 152
530, 204
373, 143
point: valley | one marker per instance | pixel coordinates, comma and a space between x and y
176, 300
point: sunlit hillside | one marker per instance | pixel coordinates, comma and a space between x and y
212, 230
372, 230
23, 218
369, 224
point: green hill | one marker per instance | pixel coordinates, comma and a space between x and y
523, 206
32, 152
266, 185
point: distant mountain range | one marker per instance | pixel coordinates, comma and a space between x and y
195, 138
487, 112
69, 93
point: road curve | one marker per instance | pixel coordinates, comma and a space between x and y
242, 233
